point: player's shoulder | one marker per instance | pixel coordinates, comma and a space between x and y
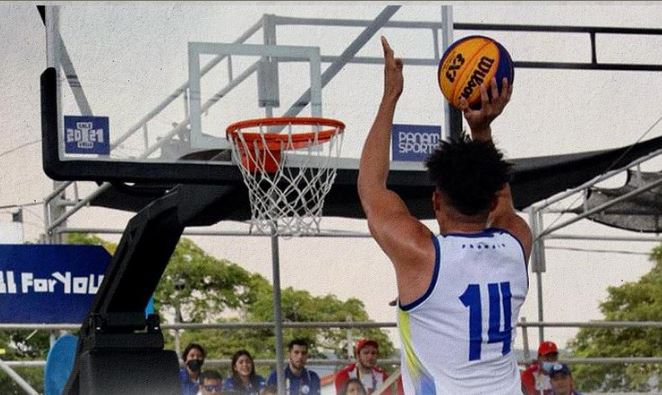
520, 231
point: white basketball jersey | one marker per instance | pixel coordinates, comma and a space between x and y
458, 337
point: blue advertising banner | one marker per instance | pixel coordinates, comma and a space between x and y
49, 283
86, 135
413, 143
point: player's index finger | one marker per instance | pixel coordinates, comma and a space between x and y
386, 46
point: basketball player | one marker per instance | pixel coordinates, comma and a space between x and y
459, 291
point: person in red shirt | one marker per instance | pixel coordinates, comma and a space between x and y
535, 379
365, 369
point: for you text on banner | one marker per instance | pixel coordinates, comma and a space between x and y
49, 283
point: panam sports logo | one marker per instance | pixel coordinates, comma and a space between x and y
414, 143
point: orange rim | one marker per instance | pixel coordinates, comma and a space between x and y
274, 140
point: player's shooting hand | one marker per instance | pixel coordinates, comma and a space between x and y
393, 80
490, 108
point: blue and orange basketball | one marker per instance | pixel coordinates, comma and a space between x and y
469, 63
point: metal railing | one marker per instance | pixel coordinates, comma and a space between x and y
523, 325
8, 366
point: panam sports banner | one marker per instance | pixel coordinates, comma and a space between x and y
414, 143
49, 283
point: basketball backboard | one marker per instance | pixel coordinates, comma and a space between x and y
144, 92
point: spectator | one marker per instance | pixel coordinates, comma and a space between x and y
189, 375
365, 369
352, 387
244, 380
210, 383
561, 379
535, 379
298, 379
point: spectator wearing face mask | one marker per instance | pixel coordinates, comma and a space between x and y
535, 379
189, 375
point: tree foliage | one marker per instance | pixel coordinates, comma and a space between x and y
202, 287
635, 301
197, 287
23, 345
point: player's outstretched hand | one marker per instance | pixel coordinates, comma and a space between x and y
393, 81
490, 108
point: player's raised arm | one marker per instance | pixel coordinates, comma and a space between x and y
405, 240
503, 215
374, 165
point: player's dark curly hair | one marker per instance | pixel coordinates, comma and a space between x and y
469, 172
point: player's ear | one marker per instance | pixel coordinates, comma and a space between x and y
494, 202
436, 200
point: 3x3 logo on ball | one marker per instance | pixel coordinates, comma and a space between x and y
477, 75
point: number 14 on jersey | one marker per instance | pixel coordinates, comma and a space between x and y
499, 299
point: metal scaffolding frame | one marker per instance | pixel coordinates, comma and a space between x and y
57, 207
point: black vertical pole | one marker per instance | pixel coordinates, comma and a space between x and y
455, 123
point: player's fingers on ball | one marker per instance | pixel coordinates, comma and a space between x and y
484, 97
464, 105
506, 88
494, 88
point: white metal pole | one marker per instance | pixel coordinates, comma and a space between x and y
537, 261
446, 40
278, 321
17, 378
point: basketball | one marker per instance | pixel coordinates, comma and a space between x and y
469, 63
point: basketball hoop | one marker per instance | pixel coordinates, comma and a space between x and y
288, 165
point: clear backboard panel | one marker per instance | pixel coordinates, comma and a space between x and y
144, 91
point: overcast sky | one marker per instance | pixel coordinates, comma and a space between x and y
552, 112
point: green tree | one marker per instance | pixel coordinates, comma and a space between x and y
87, 239
197, 287
22, 345
635, 301
301, 306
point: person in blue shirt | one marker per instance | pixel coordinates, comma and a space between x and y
244, 380
298, 379
189, 376
561, 379
210, 383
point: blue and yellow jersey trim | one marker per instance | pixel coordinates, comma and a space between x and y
422, 381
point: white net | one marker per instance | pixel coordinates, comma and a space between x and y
289, 166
